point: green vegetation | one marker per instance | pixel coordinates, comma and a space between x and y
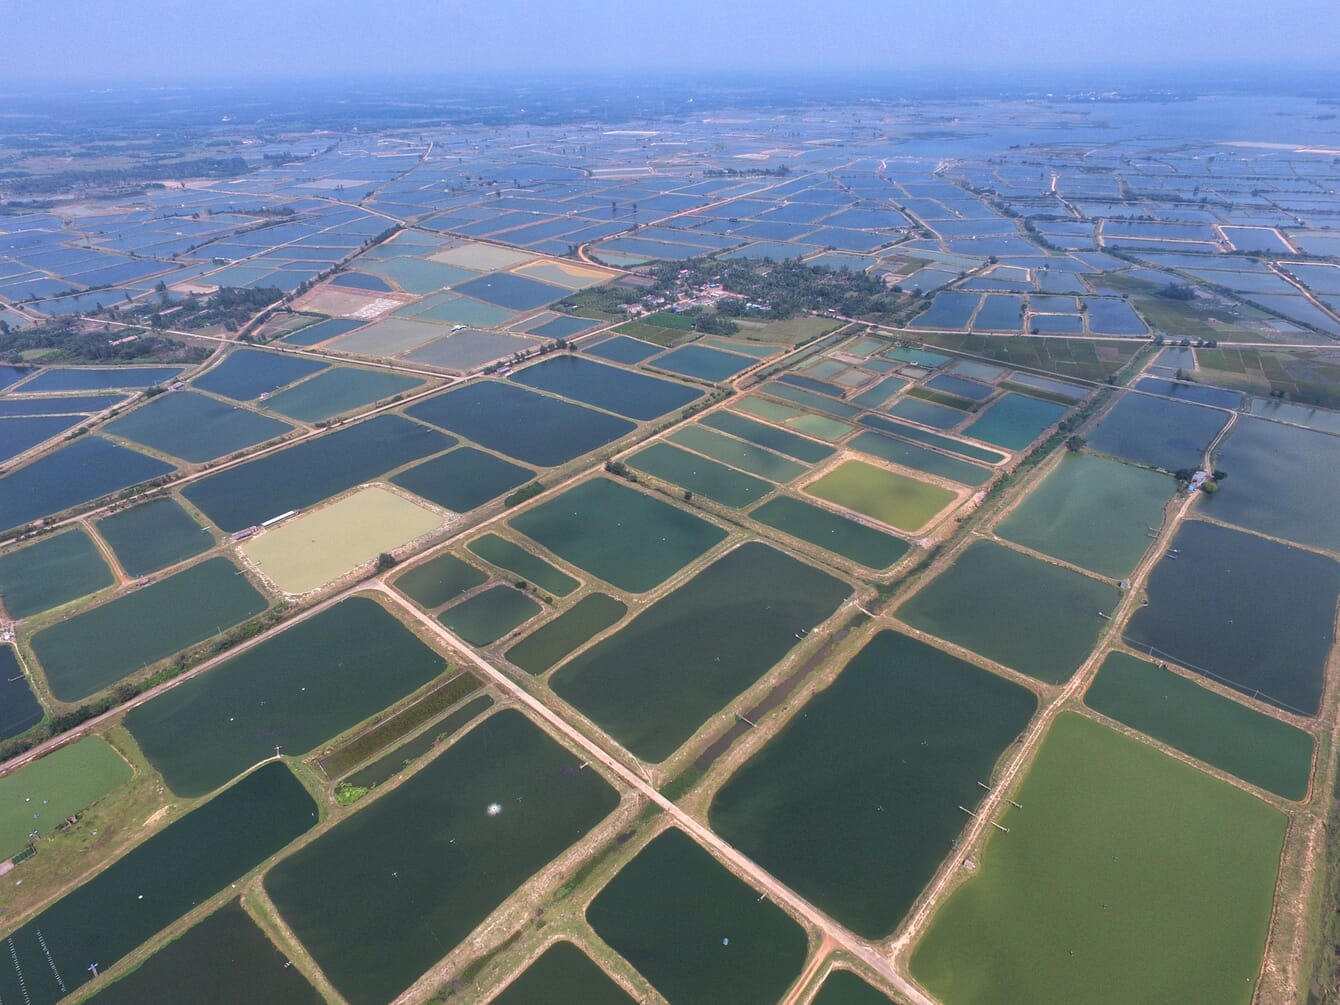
1081, 359
39, 796
402, 756
1310, 377
901, 502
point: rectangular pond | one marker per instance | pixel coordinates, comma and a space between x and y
894, 499
511, 557
624, 392
195, 427
248, 373
1015, 420
338, 390
699, 475
737, 453
551, 642
841, 535
51, 572
783, 441
909, 455
153, 535
484, 618
563, 975
704, 363
1158, 432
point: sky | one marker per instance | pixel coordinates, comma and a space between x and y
112, 41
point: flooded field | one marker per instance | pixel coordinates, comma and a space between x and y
423, 865
550, 643
297, 689
854, 803
51, 572
694, 930
654, 682
1127, 876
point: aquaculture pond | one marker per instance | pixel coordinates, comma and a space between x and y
195, 427
51, 572
513, 558
842, 987
1015, 420
653, 683
622, 349
19, 435
39, 796
563, 975
399, 758
534, 428
917, 458
19, 708
154, 884
1127, 876
624, 392
105, 379
516, 293
855, 802
704, 363
439, 580
153, 536
1282, 481
323, 331
488, 616
811, 400
802, 448
99, 646
737, 453
1251, 613
1108, 316
929, 439
695, 930
249, 373
901, 502
424, 864
700, 475
1084, 492
550, 643
831, 531
295, 690
223, 960
1035, 617
1242, 741
1158, 432
632, 540
311, 471
340, 389
928, 413
77, 473
463, 478
1195, 393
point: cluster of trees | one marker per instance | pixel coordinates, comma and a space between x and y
68, 341
22, 183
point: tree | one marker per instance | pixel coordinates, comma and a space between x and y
1075, 443
385, 561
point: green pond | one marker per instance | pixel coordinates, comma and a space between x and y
488, 616
424, 864
153, 536
800, 447
1030, 615
1128, 876
909, 455
855, 802
51, 572
41, 794
340, 389
927, 438
766, 408
1015, 421
511, 557
624, 392
295, 690
834, 532
653, 683
463, 478
927, 413
19, 707
1159, 432
821, 426
97, 647
1254, 614
545, 646
439, 580
1240, 740
1282, 481
891, 498
842, 987
311, 471
695, 930
195, 427
564, 975
223, 960
737, 453
534, 428
810, 400
1091, 512
699, 475
398, 758
153, 885
632, 540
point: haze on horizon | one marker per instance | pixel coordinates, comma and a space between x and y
109, 42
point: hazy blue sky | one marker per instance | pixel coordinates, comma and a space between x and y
178, 39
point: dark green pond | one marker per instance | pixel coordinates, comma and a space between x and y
545, 646
311, 471
98, 647
842, 987
463, 478
841, 535
421, 866
699, 475
624, 392
855, 802
1252, 613
564, 975
400, 757
694, 930
223, 960
920, 459
51, 572
488, 616
19, 708
512, 558
632, 540
155, 884
439, 580
153, 536
195, 427
654, 682
295, 690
